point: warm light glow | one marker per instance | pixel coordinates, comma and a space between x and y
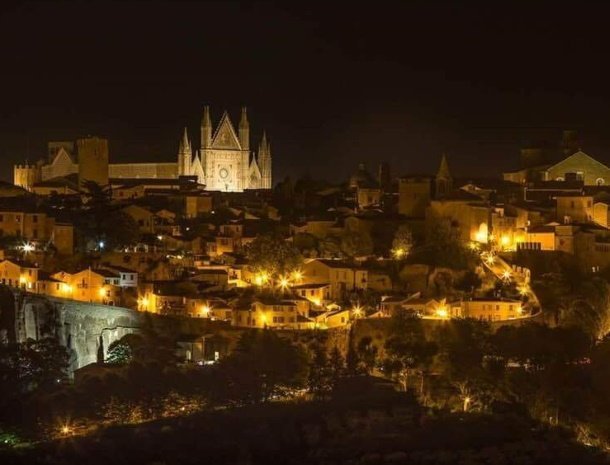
490, 259
143, 302
27, 247
473, 246
264, 318
505, 241
523, 290
297, 275
66, 288
22, 280
65, 430
442, 312
315, 301
519, 309
160, 238
398, 253
261, 278
506, 275
283, 283
102, 292
480, 236
205, 311
357, 311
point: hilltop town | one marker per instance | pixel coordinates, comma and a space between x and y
205, 282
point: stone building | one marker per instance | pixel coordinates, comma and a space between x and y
416, 191
224, 162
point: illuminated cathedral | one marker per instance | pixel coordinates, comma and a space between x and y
224, 161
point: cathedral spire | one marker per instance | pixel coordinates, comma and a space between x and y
185, 155
206, 128
244, 130
444, 181
185, 144
263, 144
264, 162
443, 170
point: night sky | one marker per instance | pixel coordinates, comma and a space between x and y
332, 85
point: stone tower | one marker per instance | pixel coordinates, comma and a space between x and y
244, 130
185, 155
264, 163
27, 175
206, 128
570, 143
443, 180
92, 160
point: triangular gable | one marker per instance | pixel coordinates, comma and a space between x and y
197, 170
254, 175
580, 154
225, 136
62, 157
254, 169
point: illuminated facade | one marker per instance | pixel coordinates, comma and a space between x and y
224, 162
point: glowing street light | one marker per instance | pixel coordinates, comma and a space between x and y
27, 247
357, 311
261, 278
474, 246
506, 275
283, 283
297, 275
523, 290
490, 259
481, 236
441, 310
398, 253
205, 310
505, 241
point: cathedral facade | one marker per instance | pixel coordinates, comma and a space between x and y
223, 163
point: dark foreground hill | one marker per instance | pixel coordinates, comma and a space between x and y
366, 431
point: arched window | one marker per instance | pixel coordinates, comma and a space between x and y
600, 181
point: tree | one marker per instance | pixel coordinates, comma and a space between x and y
469, 282
99, 222
330, 247
319, 378
271, 254
119, 353
262, 366
25, 368
356, 243
403, 242
463, 345
367, 354
306, 243
337, 369
407, 348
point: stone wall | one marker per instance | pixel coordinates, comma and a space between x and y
85, 329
